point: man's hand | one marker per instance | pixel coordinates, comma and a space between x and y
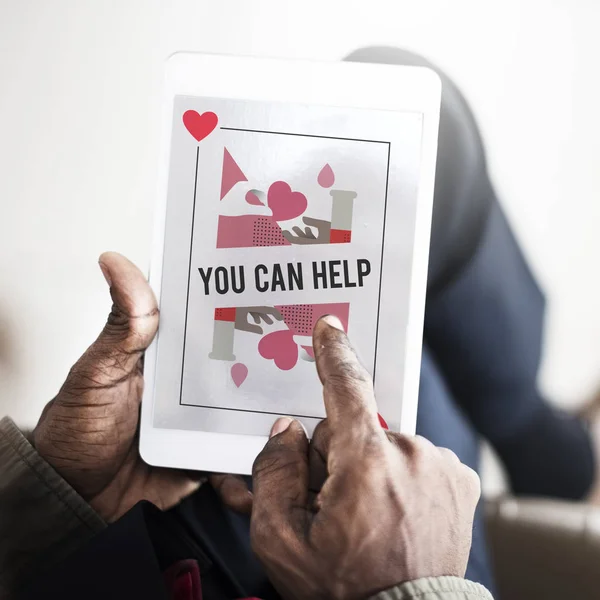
388, 508
88, 433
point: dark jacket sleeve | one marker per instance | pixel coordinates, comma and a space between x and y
42, 519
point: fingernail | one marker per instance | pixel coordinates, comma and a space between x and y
106, 274
280, 426
333, 321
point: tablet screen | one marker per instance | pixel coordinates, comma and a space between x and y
277, 214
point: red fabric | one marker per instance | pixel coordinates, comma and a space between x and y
183, 580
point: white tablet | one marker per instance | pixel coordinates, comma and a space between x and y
287, 190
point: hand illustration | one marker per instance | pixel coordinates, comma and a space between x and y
306, 235
258, 313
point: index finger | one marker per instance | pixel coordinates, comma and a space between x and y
347, 386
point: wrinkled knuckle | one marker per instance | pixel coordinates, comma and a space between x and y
407, 444
364, 453
263, 534
117, 324
375, 462
424, 453
145, 324
266, 463
275, 465
469, 482
423, 444
449, 455
348, 370
340, 386
263, 463
393, 437
321, 433
75, 376
371, 446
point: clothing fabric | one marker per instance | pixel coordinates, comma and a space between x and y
483, 328
48, 551
183, 581
440, 588
484, 331
42, 519
442, 421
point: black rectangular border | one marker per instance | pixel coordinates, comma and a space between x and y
387, 178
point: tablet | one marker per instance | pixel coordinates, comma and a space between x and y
288, 190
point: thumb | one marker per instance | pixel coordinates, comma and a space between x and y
129, 330
133, 320
280, 484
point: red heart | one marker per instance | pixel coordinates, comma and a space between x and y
284, 203
199, 125
281, 347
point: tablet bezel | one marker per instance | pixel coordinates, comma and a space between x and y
382, 87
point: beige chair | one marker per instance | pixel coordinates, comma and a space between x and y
545, 549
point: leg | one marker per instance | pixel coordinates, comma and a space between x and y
484, 313
463, 193
443, 423
486, 331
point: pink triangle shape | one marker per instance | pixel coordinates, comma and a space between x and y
232, 174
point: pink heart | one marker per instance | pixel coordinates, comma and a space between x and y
239, 372
284, 203
281, 347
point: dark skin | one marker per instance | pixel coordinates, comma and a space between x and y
88, 432
353, 512
358, 510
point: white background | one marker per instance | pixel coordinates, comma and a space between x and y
78, 137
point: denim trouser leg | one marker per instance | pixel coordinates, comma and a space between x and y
484, 314
443, 423
485, 331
